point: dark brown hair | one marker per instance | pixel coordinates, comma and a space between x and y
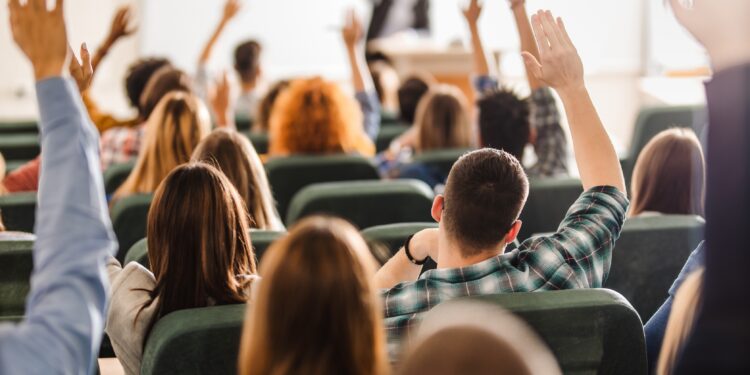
669, 175
198, 241
504, 122
409, 95
247, 61
162, 82
484, 194
262, 123
443, 120
317, 310
137, 78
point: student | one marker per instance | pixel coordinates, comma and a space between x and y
504, 118
200, 253
668, 177
410, 93
317, 310
262, 125
171, 134
62, 328
234, 155
484, 195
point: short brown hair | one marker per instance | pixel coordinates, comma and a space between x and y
247, 60
161, 83
484, 194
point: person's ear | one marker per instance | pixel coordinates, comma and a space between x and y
513, 232
437, 207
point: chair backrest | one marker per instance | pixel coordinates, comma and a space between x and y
649, 255
549, 201
388, 133
16, 264
441, 160
115, 175
19, 127
195, 341
289, 175
590, 331
19, 146
261, 240
365, 203
19, 211
129, 221
259, 141
392, 237
243, 124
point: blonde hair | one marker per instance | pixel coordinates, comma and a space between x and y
442, 120
179, 122
314, 116
234, 155
681, 321
317, 310
669, 175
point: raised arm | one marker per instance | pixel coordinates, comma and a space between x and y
364, 88
231, 8
472, 14
526, 34
122, 26
64, 318
560, 67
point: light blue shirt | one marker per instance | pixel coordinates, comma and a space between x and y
64, 321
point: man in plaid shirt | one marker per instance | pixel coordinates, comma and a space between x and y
484, 195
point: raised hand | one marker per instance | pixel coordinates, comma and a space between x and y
82, 71
221, 101
559, 65
231, 9
40, 33
352, 32
121, 24
473, 12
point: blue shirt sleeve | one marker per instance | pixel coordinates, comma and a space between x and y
64, 320
370, 104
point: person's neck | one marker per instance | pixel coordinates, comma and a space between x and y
450, 253
248, 86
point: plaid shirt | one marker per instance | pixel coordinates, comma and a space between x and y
121, 145
577, 256
551, 146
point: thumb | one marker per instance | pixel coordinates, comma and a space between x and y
86, 60
532, 65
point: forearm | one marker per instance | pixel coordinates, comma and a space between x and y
361, 79
398, 269
528, 42
209, 47
481, 67
597, 160
102, 52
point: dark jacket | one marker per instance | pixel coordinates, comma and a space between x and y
382, 9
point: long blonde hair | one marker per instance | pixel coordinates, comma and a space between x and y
179, 122
681, 321
317, 310
442, 120
233, 154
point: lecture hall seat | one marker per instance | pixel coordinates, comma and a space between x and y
19, 211
129, 220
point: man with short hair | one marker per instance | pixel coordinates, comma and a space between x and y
484, 195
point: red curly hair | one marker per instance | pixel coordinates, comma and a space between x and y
314, 116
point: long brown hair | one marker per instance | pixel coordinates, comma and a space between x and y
233, 154
198, 241
681, 321
317, 310
669, 175
443, 120
265, 109
314, 116
173, 131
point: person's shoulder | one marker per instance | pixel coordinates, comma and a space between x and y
133, 278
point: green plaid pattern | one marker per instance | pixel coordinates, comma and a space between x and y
578, 255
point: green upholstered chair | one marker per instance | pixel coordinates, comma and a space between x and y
129, 219
12, 165
115, 175
365, 203
16, 264
288, 175
243, 124
390, 119
386, 240
590, 331
259, 141
649, 255
441, 160
18, 211
195, 341
138, 253
388, 133
548, 202
19, 146
18, 127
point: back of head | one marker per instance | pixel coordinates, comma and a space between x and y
314, 116
317, 310
484, 194
162, 82
462, 337
443, 120
179, 122
234, 155
198, 240
504, 122
138, 76
409, 95
262, 124
247, 61
669, 175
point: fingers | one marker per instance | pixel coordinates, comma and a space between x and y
564, 32
59, 6
542, 42
37, 5
550, 28
532, 65
86, 67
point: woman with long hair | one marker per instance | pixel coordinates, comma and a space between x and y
174, 129
234, 155
669, 175
317, 310
200, 253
